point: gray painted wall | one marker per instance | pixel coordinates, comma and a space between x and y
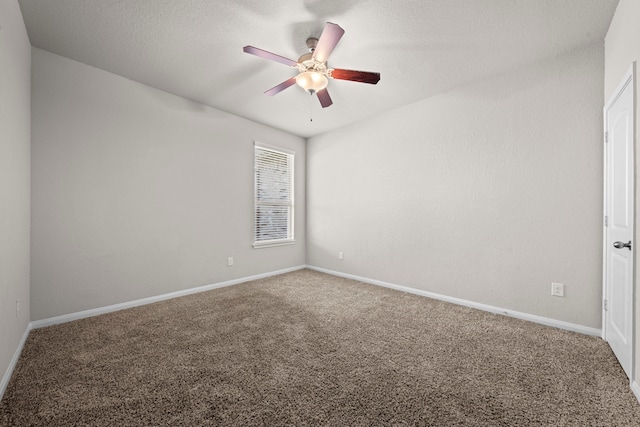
15, 136
489, 192
137, 192
621, 49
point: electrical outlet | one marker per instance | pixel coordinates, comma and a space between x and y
230, 261
17, 307
340, 255
557, 289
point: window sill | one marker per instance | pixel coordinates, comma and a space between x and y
272, 243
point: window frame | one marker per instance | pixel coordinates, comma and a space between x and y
290, 203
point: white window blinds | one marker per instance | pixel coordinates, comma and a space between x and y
273, 175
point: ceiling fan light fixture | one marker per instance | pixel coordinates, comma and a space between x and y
312, 81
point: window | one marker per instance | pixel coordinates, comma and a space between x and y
273, 192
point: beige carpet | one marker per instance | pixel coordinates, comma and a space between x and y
307, 348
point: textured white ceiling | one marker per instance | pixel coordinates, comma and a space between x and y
193, 48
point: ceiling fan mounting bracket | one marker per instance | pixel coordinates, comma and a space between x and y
312, 42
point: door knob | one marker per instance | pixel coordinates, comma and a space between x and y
620, 245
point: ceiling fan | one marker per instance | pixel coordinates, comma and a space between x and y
313, 71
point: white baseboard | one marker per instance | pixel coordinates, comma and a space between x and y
149, 300
492, 309
635, 387
14, 360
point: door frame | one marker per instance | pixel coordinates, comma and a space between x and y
629, 78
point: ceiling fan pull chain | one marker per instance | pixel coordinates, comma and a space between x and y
311, 107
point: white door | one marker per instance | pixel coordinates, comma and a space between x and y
619, 211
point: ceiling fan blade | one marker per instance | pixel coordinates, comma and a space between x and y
331, 35
355, 76
324, 98
282, 86
268, 55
